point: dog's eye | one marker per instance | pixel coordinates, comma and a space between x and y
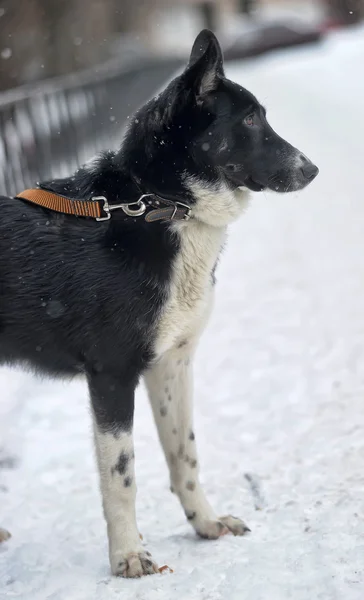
249, 120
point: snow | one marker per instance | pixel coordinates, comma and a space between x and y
279, 389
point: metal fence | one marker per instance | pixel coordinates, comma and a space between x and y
48, 130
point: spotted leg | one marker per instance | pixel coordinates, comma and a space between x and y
169, 384
113, 408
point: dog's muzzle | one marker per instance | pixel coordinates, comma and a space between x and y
295, 175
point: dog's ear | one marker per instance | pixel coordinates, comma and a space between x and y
205, 65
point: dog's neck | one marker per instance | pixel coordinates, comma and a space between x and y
107, 175
100, 176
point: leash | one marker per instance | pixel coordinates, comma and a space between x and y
150, 206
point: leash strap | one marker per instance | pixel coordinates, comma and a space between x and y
79, 208
148, 205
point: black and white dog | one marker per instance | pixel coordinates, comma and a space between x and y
129, 295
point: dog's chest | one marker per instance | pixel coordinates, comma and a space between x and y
190, 293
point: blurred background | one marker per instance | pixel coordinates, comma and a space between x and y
72, 72
48, 38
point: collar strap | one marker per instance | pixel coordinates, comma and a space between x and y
148, 205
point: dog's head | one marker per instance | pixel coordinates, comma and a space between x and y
205, 132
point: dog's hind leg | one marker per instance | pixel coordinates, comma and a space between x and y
113, 408
169, 383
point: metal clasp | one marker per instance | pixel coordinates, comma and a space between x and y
134, 212
105, 208
131, 212
185, 206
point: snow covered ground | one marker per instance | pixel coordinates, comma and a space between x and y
279, 394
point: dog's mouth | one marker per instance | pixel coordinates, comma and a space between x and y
253, 185
235, 179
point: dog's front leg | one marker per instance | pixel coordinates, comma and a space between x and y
113, 409
169, 384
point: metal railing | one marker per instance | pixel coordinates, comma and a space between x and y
49, 129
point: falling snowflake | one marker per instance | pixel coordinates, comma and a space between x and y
6, 53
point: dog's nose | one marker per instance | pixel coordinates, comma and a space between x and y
309, 170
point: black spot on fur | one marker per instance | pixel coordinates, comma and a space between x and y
128, 481
193, 463
163, 411
174, 431
122, 464
166, 389
191, 436
181, 451
169, 398
190, 485
190, 514
182, 343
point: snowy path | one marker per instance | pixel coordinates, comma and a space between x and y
279, 394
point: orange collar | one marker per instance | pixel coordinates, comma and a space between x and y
99, 208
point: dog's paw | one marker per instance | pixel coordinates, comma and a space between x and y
135, 564
212, 530
235, 525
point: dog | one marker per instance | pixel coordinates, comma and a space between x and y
127, 294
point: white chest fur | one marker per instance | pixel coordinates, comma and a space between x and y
190, 293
